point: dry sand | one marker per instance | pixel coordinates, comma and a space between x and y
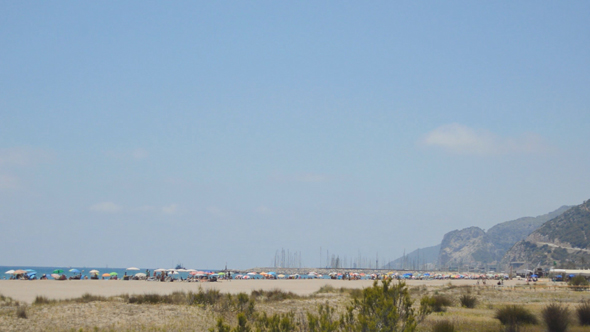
26, 291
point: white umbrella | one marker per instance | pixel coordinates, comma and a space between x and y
160, 270
140, 275
9, 272
171, 270
132, 269
191, 270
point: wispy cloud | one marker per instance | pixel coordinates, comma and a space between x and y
170, 209
460, 139
106, 207
24, 156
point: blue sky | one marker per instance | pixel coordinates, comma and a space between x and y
154, 133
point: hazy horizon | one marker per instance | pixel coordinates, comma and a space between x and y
147, 134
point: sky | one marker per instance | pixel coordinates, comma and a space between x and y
137, 133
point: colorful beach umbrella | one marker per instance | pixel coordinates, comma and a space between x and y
74, 270
106, 275
113, 274
20, 271
55, 276
58, 271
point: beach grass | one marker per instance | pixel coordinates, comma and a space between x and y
200, 310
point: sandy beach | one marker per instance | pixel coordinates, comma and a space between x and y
26, 291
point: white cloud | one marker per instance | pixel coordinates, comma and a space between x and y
460, 139
23, 156
170, 209
106, 207
8, 181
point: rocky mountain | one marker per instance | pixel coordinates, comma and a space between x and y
563, 241
474, 247
417, 259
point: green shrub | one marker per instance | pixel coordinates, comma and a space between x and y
513, 316
443, 326
583, 313
468, 301
556, 317
437, 302
578, 283
273, 295
42, 300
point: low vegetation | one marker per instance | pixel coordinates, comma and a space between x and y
468, 301
513, 317
556, 317
583, 313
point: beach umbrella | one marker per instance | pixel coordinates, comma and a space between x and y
93, 272
132, 269
191, 270
9, 272
114, 274
140, 275
55, 276
74, 270
192, 273
58, 271
20, 271
535, 276
106, 275
251, 273
160, 270
572, 275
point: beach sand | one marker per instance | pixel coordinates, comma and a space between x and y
26, 291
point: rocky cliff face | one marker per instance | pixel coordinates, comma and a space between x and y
466, 246
563, 241
472, 246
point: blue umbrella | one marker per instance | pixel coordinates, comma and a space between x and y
572, 275
535, 276
75, 271
559, 276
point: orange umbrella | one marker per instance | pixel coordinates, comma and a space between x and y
106, 274
20, 271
